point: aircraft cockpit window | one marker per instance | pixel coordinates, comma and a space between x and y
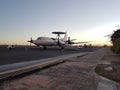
39, 38
53, 38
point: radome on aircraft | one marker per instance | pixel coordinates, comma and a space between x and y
58, 41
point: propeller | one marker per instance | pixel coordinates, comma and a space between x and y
30, 41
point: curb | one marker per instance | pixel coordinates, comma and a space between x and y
23, 67
107, 84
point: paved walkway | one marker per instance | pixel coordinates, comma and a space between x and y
75, 74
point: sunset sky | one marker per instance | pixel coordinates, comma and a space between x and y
85, 20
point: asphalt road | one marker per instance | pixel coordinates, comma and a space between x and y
19, 54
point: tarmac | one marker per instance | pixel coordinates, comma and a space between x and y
75, 73
21, 54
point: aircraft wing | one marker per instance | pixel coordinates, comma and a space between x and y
72, 39
79, 42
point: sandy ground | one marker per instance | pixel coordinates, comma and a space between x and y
112, 58
75, 74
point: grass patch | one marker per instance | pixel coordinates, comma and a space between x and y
113, 74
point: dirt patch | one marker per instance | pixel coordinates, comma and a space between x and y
65, 76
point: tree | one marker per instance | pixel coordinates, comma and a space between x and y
115, 38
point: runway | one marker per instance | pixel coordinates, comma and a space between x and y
19, 54
20, 60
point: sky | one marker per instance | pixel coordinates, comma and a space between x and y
85, 20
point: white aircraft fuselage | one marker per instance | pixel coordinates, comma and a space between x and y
46, 41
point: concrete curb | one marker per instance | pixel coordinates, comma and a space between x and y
107, 84
23, 67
